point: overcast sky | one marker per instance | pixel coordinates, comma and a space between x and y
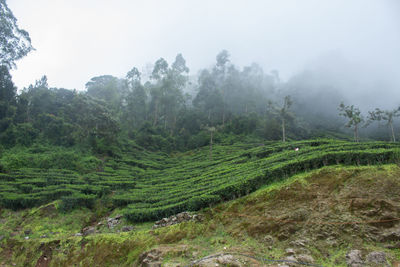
76, 40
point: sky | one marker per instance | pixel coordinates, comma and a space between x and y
76, 40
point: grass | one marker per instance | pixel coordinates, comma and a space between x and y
148, 186
221, 230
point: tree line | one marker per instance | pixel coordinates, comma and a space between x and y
166, 110
356, 119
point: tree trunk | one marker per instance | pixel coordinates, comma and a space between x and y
155, 114
209, 115
211, 144
283, 130
393, 135
356, 133
223, 115
173, 125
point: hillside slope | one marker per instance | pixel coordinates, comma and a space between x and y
326, 217
149, 186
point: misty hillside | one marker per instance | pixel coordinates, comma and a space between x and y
212, 133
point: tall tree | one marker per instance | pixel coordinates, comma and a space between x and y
175, 97
136, 100
283, 113
166, 93
159, 75
14, 42
7, 98
108, 88
354, 117
385, 115
208, 98
220, 72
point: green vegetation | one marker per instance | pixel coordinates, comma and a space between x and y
251, 225
149, 186
152, 146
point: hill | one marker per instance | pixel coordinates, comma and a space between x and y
318, 216
149, 186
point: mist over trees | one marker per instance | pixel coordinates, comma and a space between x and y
160, 114
168, 110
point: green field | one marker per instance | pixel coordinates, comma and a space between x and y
149, 186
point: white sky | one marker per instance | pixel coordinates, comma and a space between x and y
76, 40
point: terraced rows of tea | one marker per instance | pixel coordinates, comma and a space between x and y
150, 186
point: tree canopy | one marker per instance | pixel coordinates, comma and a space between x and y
15, 43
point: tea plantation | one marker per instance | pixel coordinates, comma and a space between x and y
148, 186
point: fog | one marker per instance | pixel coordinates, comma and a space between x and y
351, 46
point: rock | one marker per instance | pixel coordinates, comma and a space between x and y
298, 243
26, 237
127, 228
197, 218
175, 219
376, 258
283, 236
228, 260
78, 234
331, 241
1, 237
391, 236
305, 258
43, 236
88, 230
150, 258
112, 222
290, 251
218, 260
393, 246
354, 258
268, 240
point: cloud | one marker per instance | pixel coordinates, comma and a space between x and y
76, 40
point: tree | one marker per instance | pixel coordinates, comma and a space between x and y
283, 113
7, 98
108, 88
354, 116
208, 98
211, 130
15, 43
384, 115
166, 93
219, 72
133, 77
159, 75
136, 100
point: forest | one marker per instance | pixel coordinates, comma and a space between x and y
172, 111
